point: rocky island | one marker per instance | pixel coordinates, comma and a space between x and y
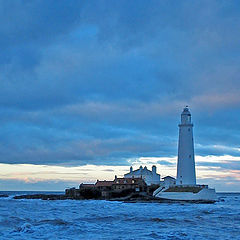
120, 189
145, 185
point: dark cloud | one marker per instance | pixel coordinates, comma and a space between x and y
24, 22
165, 163
100, 82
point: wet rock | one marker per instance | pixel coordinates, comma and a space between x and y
3, 195
43, 196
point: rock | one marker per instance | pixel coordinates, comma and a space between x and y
3, 195
135, 197
43, 196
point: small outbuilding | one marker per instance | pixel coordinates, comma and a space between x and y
169, 181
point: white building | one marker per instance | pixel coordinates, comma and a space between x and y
150, 177
186, 164
169, 182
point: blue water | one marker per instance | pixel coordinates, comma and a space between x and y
70, 219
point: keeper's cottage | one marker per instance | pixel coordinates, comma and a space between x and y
150, 177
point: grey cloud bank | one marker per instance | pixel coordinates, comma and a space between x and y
101, 82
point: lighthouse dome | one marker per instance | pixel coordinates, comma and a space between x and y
186, 110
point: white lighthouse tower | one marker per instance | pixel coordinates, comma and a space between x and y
186, 188
186, 164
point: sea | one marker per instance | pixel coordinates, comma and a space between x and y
100, 219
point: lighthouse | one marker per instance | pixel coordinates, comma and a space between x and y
186, 164
186, 188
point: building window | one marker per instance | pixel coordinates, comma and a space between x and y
189, 129
190, 156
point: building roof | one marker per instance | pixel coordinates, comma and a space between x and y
104, 183
88, 185
131, 181
140, 171
169, 177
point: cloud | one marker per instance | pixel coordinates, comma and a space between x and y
51, 178
221, 172
20, 185
104, 83
38, 21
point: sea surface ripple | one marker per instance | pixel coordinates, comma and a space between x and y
71, 219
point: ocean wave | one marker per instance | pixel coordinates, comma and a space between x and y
25, 228
36, 219
53, 222
170, 220
11, 221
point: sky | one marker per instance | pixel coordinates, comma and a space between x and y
89, 88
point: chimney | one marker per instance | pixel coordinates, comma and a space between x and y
154, 169
131, 169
